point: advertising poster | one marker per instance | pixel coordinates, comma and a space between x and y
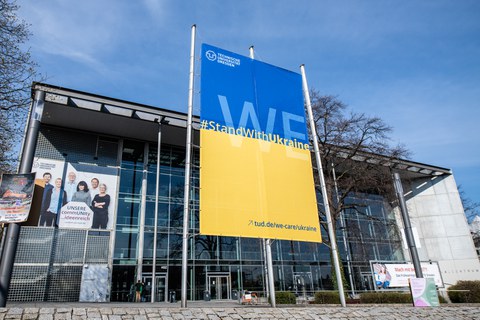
16, 193
94, 286
424, 292
397, 275
256, 177
76, 195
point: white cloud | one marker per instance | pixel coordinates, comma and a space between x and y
82, 31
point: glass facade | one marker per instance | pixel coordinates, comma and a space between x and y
222, 266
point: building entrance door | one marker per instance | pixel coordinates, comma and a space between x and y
219, 287
160, 288
367, 281
303, 284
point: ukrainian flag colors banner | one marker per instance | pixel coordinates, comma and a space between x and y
256, 176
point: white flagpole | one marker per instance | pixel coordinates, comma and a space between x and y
155, 224
331, 231
186, 202
267, 245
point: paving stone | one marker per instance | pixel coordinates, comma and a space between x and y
15, 311
62, 316
93, 314
29, 316
118, 311
105, 311
461, 312
79, 312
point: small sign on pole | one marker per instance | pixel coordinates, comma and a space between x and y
16, 192
424, 292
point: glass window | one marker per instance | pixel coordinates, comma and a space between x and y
176, 242
206, 247
130, 181
323, 252
177, 186
162, 218
132, 155
228, 248
177, 160
252, 278
325, 279
162, 245
128, 210
176, 215
151, 182
251, 249
125, 243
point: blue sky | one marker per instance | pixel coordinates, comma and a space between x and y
415, 64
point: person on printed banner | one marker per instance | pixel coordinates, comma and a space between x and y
47, 176
94, 189
382, 277
82, 194
71, 185
54, 200
100, 208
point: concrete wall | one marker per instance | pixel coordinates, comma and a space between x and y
436, 211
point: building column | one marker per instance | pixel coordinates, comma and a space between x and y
26, 162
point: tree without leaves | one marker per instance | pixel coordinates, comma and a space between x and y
353, 147
470, 207
17, 72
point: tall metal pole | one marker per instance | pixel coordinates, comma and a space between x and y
331, 231
26, 162
186, 202
342, 225
408, 227
155, 223
268, 247
141, 230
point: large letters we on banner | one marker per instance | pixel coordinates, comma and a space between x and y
256, 175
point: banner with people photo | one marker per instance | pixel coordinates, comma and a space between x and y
16, 193
397, 275
256, 177
76, 195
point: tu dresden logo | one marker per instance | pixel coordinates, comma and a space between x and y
212, 56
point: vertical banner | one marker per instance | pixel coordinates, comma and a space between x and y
256, 177
16, 192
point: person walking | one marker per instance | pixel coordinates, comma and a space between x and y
138, 291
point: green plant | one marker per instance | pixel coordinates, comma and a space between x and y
285, 297
465, 292
385, 297
441, 299
327, 297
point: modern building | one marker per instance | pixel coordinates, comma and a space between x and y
118, 147
475, 231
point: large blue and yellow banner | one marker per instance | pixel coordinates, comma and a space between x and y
256, 175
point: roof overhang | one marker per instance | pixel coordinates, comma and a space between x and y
93, 113
87, 112
406, 168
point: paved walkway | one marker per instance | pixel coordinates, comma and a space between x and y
226, 311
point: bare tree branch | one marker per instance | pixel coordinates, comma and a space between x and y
347, 141
17, 72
